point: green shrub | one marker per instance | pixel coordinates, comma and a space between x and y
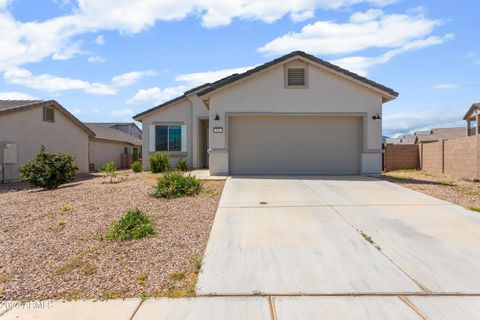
182, 165
133, 225
159, 162
175, 184
110, 170
49, 170
137, 166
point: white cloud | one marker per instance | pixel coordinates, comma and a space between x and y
76, 112
122, 112
446, 86
52, 83
401, 123
29, 42
361, 65
473, 57
370, 29
97, 59
157, 95
99, 40
185, 82
126, 79
14, 95
69, 51
199, 78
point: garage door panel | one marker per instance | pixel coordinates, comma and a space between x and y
295, 144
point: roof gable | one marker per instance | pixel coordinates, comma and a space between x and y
387, 93
473, 108
10, 106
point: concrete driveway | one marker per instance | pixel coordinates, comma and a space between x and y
308, 235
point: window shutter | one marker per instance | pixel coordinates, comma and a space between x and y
151, 138
296, 77
184, 138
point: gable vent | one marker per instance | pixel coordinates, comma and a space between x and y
296, 77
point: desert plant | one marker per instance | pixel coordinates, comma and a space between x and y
49, 170
133, 225
110, 170
137, 166
159, 162
174, 184
182, 165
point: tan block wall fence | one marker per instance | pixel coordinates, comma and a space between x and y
456, 157
401, 156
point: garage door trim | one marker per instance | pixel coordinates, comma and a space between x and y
362, 117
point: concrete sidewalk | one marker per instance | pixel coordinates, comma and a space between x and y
257, 308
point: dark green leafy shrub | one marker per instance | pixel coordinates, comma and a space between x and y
137, 166
110, 170
49, 170
159, 162
182, 165
133, 225
175, 184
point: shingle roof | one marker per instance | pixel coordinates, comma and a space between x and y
443, 134
106, 133
393, 140
210, 87
9, 106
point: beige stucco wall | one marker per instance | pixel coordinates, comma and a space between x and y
326, 93
103, 151
178, 113
28, 130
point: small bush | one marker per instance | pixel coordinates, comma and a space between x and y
133, 225
182, 165
110, 170
49, 170
137, 166
159, 162
174, 185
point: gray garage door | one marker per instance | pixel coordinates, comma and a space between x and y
295, 144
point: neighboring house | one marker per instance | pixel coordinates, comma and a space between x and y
111, 144
128, 127
294, 115
438, 134
473, 120
27, 125
435, 134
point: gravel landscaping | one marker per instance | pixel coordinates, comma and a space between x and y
54, 245
463, 192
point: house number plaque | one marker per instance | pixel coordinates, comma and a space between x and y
217, 130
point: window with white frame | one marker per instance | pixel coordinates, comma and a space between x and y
170, 138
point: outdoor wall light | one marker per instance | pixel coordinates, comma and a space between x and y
217, 117
376, 116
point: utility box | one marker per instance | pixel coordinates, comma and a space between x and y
9, 152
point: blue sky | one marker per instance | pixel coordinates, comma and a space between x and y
107, 60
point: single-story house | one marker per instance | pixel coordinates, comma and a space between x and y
110, 144
297, 114
128, 127
27, 125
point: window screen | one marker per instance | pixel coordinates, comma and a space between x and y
48, 114
168, 138
296, 77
